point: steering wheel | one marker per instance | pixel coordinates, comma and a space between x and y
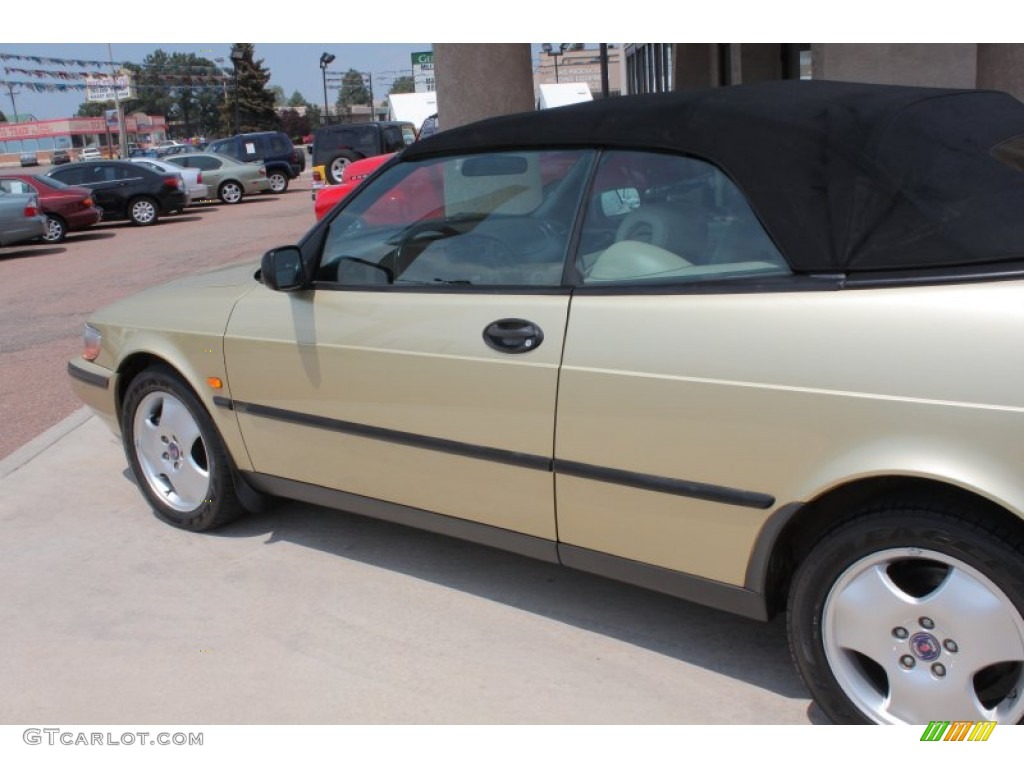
422, 234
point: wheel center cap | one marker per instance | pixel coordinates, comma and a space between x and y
925, 646
173, 451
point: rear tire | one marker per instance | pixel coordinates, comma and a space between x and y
143, 211
178, 459
336, 167
278, 182
230, 192
909, 614
56, 229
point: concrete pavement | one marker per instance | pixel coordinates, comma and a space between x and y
306, 615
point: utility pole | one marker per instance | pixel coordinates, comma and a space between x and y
122, 149
14, 109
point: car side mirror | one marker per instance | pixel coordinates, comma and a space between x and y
282, 269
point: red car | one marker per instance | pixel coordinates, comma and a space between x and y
66, 208
351, 177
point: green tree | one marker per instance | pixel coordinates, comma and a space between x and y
403, 84
314, 114
294, 124
252, 98
353, 89
278, 91
93, 108
297, 100
3, 117
184, 88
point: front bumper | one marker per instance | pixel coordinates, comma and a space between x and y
97, 388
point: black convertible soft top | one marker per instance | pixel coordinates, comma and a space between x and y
846, 177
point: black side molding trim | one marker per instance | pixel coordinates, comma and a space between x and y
526, 460
97, 380
689, 488
479, 533
223, 402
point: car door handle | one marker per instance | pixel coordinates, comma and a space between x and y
513, 336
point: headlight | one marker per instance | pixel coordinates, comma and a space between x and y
91, 339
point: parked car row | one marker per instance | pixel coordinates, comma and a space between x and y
64, 208
74, 196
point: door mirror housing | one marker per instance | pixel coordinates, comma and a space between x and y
282, 269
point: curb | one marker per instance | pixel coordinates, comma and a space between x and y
41, 442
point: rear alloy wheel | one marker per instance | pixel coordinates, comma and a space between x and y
230, 192
278, 182
56, 229
175, 453
910, 615
143, 211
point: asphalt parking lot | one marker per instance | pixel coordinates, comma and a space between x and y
301, 614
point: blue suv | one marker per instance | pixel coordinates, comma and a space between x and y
274, 148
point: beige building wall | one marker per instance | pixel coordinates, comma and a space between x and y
480, 80
947, 65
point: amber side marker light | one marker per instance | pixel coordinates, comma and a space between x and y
214, 382
91, 339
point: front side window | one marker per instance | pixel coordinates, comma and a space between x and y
473, 220
654, 217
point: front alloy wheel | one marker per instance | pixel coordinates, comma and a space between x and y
911, 616
176, 454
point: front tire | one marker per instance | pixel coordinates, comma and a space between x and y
909, 614
176, 454
143, 211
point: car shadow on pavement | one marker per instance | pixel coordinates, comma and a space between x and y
90, 235
747, 650
29, 250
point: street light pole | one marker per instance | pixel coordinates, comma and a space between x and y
325, 59
550, 51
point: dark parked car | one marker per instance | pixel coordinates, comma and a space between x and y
274, 148
127, 190
29, 158
66, 208
335, 146
60, 157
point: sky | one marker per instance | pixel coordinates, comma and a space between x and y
368, 43
293, 66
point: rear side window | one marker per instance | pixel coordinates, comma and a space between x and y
228, 147
670, 218
71, 175
279, 145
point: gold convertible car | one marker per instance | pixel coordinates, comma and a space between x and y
758, 347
